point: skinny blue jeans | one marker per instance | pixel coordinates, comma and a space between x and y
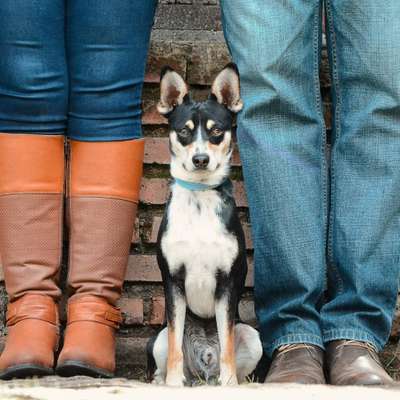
73, 67
326, 235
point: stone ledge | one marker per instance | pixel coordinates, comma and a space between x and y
188, 16
80, 388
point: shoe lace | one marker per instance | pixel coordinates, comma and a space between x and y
294, 346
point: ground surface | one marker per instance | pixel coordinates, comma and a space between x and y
80, 388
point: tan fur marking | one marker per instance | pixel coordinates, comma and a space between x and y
228, 358
190, 124
216, 147
175, 355
210, 123
226, 147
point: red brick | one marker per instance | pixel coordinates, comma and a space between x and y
152, 117
130, 351
144, 268
161, 54
396, 323
132, 309
155, 226
156, 151
247, 313
155, 191
206, 61
157, 310
135, 235
328, 115
247, 235
150, 114
240, 194
235, 160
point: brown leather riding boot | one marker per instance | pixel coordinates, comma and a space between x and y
350, 362
104, 190
31, 215
297, 363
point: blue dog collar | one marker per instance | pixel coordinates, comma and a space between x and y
195, 186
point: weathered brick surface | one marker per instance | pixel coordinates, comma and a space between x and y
188, 16
157, 310
191, 42
132, 309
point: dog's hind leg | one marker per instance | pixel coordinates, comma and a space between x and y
160, 354
248, 350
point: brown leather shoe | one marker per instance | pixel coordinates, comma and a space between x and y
350, 362
89, 346
297, 363
32, 338
103, 194
31, 215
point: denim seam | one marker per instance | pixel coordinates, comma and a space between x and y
351, 334
335, 81
318, 104
294, 338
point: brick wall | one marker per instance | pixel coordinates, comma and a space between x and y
188, 37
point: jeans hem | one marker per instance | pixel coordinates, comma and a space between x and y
120, 138
351, 334
97, 130
292, 338
36, 131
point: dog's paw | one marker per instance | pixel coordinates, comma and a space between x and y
175, 379
158, 378
229, 380
227, 377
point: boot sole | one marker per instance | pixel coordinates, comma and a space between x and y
25, 371
73, 368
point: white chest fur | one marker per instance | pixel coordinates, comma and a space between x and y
197, 239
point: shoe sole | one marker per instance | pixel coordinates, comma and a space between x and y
74, 368
25, 371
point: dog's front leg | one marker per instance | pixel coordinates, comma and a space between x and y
176, 312
226, 334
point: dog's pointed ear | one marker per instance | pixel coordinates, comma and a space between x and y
226, 88
173, 90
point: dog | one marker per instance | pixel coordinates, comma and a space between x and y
201, 247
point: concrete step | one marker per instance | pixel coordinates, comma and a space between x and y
80, 388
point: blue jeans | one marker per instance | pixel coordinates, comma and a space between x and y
314, 231
73, 67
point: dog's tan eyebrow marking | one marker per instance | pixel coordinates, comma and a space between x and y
190, 124
210, 123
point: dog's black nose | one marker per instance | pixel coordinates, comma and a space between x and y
200, 160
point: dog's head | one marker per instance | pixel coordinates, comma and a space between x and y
200, 132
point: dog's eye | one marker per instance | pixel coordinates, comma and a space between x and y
184, 132
216, 132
